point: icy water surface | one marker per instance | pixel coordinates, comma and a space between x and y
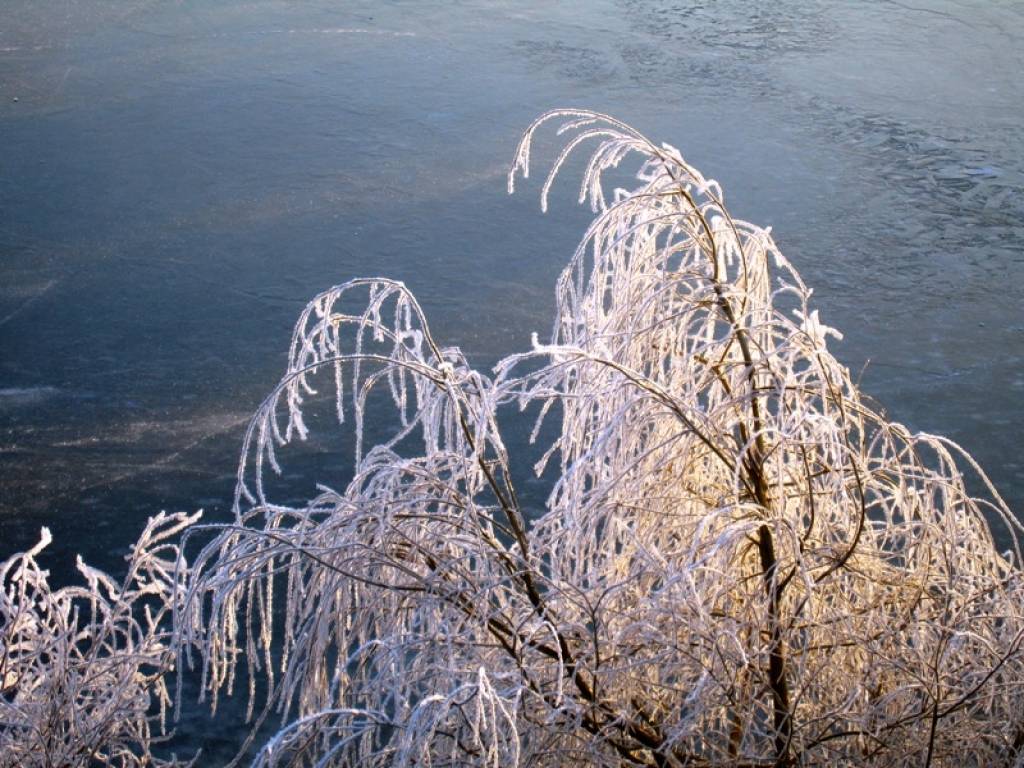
178, 178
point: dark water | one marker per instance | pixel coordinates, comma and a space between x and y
178, 178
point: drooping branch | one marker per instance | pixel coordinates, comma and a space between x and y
740, 561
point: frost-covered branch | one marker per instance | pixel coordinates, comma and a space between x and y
82, 668
741, 561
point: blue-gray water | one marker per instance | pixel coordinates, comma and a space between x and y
178, 178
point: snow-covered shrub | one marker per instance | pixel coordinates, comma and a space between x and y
83, 668
741, 562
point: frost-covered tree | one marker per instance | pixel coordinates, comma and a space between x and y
741, 561
84, 668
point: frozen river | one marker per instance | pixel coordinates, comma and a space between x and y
178, 178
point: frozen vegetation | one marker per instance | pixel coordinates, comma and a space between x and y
84, 669
741, 561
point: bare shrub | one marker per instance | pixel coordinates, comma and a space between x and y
742, 562
82, 668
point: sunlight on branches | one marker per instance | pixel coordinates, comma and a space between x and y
741, 561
